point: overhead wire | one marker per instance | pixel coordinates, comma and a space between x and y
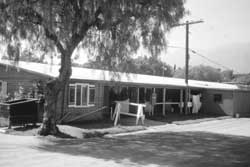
204, 57
210, 60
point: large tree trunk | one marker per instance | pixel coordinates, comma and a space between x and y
52, 91
49, 117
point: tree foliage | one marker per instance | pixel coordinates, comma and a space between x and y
206, 73
107, 28
26, 55
227, 75
140, 65
243, 79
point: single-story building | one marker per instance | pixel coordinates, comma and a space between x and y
91, 92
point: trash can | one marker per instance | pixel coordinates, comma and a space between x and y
19, 112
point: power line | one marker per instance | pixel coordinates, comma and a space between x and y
178, 47
212, 61
208, 59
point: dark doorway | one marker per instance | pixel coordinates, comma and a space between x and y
142, 95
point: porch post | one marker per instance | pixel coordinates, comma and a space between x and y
164, 99
138, 95
181, 101
189, 96
153, 106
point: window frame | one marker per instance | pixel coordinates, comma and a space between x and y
218, 98
75, 95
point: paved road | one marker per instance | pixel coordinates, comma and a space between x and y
174, 148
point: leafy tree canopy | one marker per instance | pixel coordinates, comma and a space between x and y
107, 28
140, 65
206, 73
242, 79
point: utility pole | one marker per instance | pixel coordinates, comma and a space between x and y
186, 69
187, 60
187, 53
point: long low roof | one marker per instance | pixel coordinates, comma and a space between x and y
104, 75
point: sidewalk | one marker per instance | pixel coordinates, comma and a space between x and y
231, 126
223, 125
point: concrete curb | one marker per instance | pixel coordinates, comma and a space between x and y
4, 130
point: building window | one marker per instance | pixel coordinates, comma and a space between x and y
91, 94
218, 98
81, 95
72, 97
78, 95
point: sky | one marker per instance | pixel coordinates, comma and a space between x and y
224, 37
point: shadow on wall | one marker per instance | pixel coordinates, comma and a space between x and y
226, 101
174, 149
217, 103
214, 109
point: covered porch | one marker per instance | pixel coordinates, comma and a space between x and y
159, 103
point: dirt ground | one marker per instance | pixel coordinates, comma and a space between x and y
212, 143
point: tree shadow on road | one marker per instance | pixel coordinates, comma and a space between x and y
174, 149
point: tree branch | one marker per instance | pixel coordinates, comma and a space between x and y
34, 17
54, 38
77, 16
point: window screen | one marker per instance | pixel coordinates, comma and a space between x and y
78, 95
72, 95
91, 95
84, 95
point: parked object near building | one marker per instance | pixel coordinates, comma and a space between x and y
93, 90
122, 108
19, 112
